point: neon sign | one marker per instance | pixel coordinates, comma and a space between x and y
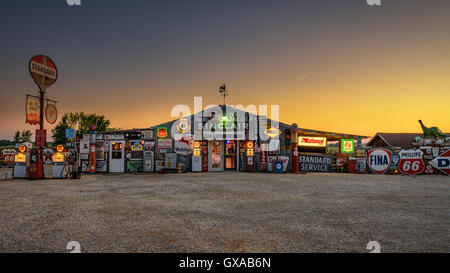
162, 132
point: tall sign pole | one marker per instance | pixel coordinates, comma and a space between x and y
44, 73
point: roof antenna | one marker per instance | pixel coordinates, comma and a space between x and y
223, 92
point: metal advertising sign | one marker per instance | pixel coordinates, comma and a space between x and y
347, 146
164, 143
33, 110
315, 163
411, 162
307, 141
147, 135
442, 162
51, 114
41, 138
184, 146
43, 71
84, 146
379, 160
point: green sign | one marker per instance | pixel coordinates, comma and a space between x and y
347, 146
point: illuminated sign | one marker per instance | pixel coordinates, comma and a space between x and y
22, 148
137, 145
196, 144
20, 157
60, 148
58, 157
272, 132
183, 126
162, 132
250, 145
347, 146
307, 141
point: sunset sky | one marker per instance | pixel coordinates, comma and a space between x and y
331, 65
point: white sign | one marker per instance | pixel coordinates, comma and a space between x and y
84, 146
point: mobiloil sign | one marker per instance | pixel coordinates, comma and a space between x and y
379, 160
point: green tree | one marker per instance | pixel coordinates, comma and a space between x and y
16, 138
81, 122
25, 136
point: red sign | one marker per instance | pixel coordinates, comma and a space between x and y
41, 138
411, 162
8, 159
263, 157
162, 132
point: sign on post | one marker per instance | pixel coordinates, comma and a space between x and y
43, 71
70, 133
41, 138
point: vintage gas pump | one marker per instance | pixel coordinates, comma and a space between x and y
20, 163
92, 148
197, 157
250, 154
149, 157
59, 162
35, 170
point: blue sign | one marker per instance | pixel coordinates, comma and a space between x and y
278, 166
70, 133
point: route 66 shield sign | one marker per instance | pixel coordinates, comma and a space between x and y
411, 162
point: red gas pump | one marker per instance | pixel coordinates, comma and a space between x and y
35, 169
92, 148
250, 154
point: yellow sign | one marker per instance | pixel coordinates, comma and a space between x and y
20, 157
58, 157
307, 141
272, 132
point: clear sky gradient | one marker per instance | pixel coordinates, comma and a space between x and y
331, 65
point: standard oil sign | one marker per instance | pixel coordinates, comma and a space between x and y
43, 70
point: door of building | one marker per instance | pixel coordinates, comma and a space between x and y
117, 157
215, 162
230, 155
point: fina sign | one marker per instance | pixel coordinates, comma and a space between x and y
307, 141
379, 160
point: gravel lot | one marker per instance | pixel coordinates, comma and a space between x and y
226, 212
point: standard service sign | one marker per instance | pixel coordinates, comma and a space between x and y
411, 162
43, 70
379, 160
442, 162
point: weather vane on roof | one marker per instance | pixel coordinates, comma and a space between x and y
223, 92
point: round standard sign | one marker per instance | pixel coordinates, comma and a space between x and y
379, 160
43, 71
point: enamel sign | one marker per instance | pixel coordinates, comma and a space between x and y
379, 160
43, 71
442, 162
411, 162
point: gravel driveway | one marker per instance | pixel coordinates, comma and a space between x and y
226, 212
